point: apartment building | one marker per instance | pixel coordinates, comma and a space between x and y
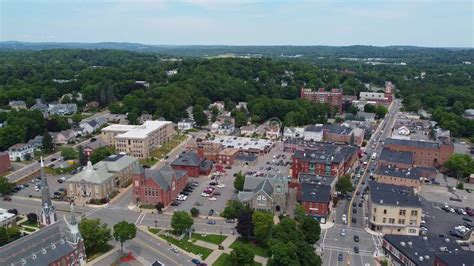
138, 141
425, 153
333, 98
393, 209
399, 159
389, 174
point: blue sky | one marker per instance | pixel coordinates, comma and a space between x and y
244, 22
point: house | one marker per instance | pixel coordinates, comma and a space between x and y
293, 132
193, 163
225, 127
62, 109
92, 145
314, 193
171, 72
393, 209
17, 105
186, 124
268, 193
272, 132
369, 117
247, 131
72, 96
142, 83
36, 142
92, 125
64, 137
153, 186
7, 219
21, 151
424, 251
241, 106
469, 114
144, 117
219, 105
4, 162
91, 105
103, 178
40, 106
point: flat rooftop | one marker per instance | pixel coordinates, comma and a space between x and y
391, 195
243, 143
137, 131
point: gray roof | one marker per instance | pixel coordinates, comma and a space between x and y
325, 153
253, 184
461, 257
338, 129
188, 159
164, 176
314, 128
51, 238
265, 186
391, 195
410, 173
412, 143
246, 158
315, 179
314, 193
415, 246
392, 156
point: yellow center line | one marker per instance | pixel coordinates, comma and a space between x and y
355, 191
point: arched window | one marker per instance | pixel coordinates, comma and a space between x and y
261, 200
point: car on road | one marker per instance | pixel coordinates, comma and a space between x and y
197, 203
7, 198
344, 218
461, 211
174, 249
221, 185
356, 250
213, 222
340, 257
196, 261
356, 238
467, 219
230, 221
175, 203
211, 212
343, 232
212, 198
37, 188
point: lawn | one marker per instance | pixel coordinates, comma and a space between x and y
214, 239
223, 260
161, 152
257, 250
28, 229
154, 230
92, 255
190, 247
30, 223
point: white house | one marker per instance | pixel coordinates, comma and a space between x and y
219, 105
247, 131
92, 125
21, 151
272, 132
186, 124
222, 128
313, 133
293, 132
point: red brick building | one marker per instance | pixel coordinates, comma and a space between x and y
4, 162
425, 153
163, 185
314, 194
227, 156
333, 98
324, 159
193, 163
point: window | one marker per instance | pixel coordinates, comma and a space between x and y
385, 211
375, 209
412, 231
384, 220
401, 221
261, 200
402, 212
414, 213
391, 221
278, 189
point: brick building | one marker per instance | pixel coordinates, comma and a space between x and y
4, 162
399, 159
314, 194
193, 163
411, 177
324, 159
227, 156
425, 153
163, 185
333, 98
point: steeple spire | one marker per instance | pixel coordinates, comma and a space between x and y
73, 235
48, 215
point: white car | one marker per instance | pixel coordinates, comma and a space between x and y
343, 232
63, 178
213, 198
221, 185
452, 210
204, 194
37, 188
344, 218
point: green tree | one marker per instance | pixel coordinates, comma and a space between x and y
96, 235
460, 165
99, 154
283, 254
239, 181
311, 230
344, 184
124, 231
241, 255
76, 118
199, 116
132, 117
300, 213
181, 222
244, 223
69, 153
263, 224
194, 212
240, 119
82, 155
232, 209
380, 111
369, 108
5, 185
8, 234
47, 142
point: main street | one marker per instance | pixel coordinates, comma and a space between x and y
339, 240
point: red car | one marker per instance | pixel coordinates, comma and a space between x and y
469, 211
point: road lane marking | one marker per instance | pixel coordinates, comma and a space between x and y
155, 250
138, 218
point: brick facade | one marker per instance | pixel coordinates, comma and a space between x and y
4, 162
333, 98
425, 155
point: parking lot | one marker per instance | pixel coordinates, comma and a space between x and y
54, 186
227, 180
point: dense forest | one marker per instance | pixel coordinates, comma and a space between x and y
435, 80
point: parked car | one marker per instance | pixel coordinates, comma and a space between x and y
340, 257
175, 203
354, 210
230, 221
198, 203
211, 222
7, 198
211, 212
360, 204
212, 198
37, 188
196, 261
356, 238
343, 232
354, 220
356, 250
62, 189
467, 219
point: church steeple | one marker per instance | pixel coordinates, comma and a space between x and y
73, 236
48, 214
